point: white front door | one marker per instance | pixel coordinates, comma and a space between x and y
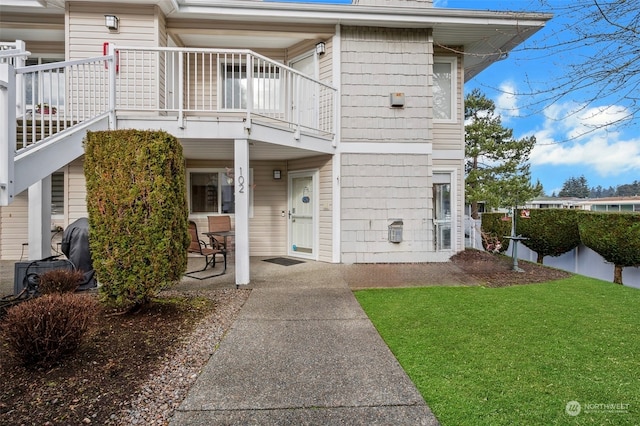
302, 214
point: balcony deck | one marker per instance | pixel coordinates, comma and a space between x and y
194, 94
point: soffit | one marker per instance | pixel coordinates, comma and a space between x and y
207, 149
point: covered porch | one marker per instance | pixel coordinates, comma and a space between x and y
235, 111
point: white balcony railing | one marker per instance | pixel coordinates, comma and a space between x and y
40, 101
60, 95
186, 82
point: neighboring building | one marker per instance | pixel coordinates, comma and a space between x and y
553, 203
315, 127
610, 204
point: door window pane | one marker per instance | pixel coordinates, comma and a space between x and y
442, 211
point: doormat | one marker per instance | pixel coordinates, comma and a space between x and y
283, 261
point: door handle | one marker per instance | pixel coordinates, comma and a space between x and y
289, 214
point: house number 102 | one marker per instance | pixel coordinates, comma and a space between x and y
241, 182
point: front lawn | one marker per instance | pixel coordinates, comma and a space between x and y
517, 355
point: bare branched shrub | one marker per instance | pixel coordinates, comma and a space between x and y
60, 281
41, 331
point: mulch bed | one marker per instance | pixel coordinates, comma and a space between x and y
494, 270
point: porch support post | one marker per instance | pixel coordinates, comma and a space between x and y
8, 125
113, 65
40, 219
242, 188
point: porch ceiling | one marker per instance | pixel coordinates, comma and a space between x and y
221, 149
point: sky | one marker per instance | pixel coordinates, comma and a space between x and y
567, 146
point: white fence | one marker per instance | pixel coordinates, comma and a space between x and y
581, 260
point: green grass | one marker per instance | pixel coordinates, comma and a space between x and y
517, 355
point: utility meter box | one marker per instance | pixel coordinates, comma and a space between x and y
396, 100
395, 231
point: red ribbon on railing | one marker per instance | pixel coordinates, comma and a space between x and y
105, 52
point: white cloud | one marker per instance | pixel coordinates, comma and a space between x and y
507, 101
584, 140
440, 3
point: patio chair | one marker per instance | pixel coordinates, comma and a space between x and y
197, 246
219, 224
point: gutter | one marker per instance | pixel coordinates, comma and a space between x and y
355, 15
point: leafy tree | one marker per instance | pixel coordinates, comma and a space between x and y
575, 187
614, 236
550, 232
496, 164
136, 198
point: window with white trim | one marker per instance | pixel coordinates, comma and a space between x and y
444, 92
57, 194
212, 191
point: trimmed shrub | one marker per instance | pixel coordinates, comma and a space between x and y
494, 229
614, 236
41, 331
136, 198
550, 232
60, 281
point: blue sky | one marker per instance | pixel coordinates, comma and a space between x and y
606, 157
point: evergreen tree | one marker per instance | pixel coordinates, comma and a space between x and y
629, 190
496, 165
575, 187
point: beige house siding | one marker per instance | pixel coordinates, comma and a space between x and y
267, 227
326, 63
14, 228
85, 30
376, 190
325, 222
375, 63
138, 26
76, 200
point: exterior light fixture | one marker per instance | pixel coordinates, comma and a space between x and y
320, 48
277, 174
111, 22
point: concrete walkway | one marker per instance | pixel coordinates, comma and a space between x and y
302, 352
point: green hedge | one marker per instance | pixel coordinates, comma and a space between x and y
136, 198
494, 229
550, 232
614, 236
